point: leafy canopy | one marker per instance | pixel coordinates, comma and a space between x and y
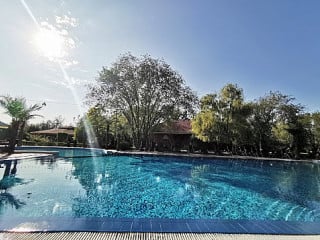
145, 90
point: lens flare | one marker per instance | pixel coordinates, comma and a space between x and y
50, 43
55, 44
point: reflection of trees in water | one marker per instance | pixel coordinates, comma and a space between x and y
197, 180
293, 188
299, 182
99, 178
8, 181
84, 172
204, 181
49, 161
291, 181
92, 172
9, 199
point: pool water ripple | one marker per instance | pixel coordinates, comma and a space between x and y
162, 187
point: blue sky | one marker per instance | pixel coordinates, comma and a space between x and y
260, 45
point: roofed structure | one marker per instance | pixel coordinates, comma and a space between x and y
172, 136
64, 134
3, 125
175, 127
55, 131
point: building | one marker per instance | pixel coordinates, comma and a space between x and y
172, 136
62, 134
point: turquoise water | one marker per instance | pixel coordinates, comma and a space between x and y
161, 187
67, 151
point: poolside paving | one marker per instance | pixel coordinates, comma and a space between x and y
23, 155
151, 236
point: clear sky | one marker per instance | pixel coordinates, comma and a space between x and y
260, 45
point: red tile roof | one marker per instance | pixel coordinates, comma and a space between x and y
54, 131
175, 127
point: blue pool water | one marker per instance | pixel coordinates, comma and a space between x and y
67, 151
160, 187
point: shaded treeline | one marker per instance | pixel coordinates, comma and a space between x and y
271, 126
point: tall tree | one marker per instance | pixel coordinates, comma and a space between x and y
292, 115
266, 112
231, 99
221, 116
146, 91
277, 119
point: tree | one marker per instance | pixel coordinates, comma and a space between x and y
207, 125
87, 130
97, 123
315, 130
57, 122
80, 131
265, 114
281, 135
221, 116
231, 99
241, 128
108, 130
276, 121
146, 91
14, 108
26, 115
45, 125
292, 115
20, 113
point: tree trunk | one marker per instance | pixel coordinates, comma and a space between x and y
107, 137
20, 133
260, 145
13, 136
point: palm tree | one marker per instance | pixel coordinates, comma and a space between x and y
26, 115
20, 113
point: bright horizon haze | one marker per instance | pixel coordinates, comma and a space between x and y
50, 50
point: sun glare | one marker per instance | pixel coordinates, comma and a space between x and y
50, 43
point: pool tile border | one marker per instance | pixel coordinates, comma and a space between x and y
209, 156
71, 224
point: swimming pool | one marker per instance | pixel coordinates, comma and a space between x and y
160, 189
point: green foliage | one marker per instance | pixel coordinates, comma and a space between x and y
273, 116
20, 113
80, 132
107, 131
273, 124
280, 133
315, 123
38, 140
241, 130
204, 126
14, 107
145, 91
99, 124
222, 117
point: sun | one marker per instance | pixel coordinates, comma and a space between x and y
50, 43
